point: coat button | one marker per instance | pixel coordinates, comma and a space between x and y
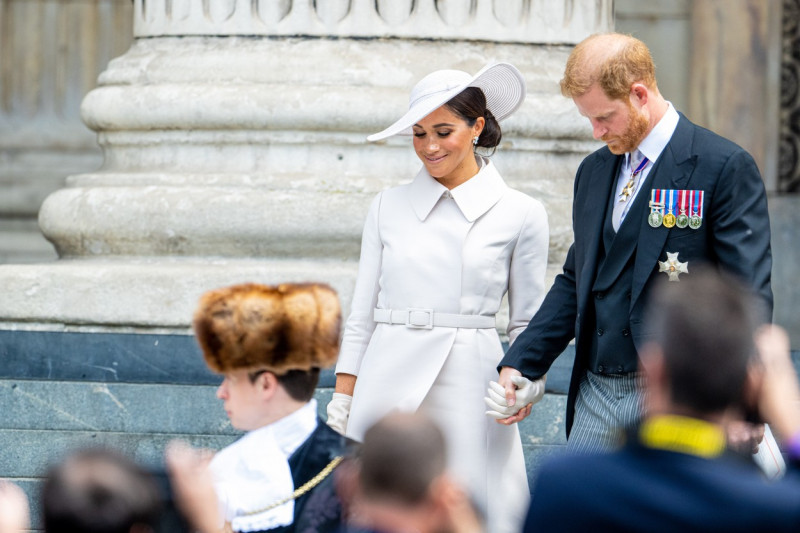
626, 333
619, 369
600, 296
600, 331
601, 368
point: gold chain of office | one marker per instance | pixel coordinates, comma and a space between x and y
307, 486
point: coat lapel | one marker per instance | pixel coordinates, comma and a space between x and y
672, 171
590, 215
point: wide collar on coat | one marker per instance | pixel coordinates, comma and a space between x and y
474, 197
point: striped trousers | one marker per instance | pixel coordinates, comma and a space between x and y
605, 406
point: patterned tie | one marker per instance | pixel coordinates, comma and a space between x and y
623, 201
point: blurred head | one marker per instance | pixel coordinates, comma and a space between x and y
400, 457
402, 478
99, 491
702, 347
611, 79
14, 509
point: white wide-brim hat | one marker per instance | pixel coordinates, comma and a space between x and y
501, 83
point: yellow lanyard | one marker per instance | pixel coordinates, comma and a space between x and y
684, 435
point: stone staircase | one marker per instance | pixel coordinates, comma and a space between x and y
63, 390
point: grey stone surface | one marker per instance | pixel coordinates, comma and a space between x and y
785, 220
27, 453
119, 408
108, 407
545, 425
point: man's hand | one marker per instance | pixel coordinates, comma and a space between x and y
506, 382
744, 437
194, 489
779, 393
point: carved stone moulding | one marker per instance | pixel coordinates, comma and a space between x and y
524, 21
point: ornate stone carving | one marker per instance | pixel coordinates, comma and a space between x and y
789, 160
522, 21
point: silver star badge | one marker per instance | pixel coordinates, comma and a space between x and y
673, 267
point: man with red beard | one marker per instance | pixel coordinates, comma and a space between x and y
663, 196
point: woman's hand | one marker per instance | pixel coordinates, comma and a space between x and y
510, 384
339, 411
339, 406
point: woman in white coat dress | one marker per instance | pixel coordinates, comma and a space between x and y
437, 257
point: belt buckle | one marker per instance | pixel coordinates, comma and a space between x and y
415, 321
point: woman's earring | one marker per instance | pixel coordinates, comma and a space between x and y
475, 140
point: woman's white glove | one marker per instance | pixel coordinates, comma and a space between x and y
339, 411
528, 392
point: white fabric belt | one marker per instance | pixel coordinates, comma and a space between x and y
428, 319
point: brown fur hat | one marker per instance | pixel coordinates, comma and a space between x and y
278, 328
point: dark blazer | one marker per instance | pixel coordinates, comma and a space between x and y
645, 489
734, 235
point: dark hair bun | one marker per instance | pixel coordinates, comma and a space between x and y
470, 104
491, 134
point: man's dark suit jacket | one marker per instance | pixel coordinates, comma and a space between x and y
734, 235
650, 490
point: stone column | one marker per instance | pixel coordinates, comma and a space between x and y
233, 139
734, 84
51, 52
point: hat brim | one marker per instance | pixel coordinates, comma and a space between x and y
501, 83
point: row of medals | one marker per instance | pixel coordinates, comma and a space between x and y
656, 219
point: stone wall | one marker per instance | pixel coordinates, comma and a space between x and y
51, 52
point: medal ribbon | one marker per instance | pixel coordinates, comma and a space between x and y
696, 199
655, 198
633, 175
700, 195
640, 167
682, 209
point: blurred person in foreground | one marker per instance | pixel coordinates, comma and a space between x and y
675, 472
96, 490
14, 508
402, 483
269, 343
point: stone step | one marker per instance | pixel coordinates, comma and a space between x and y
28, 453
120, 407
183, 409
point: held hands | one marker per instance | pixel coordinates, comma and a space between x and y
513, 390
339, 411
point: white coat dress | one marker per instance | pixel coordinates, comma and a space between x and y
457, 252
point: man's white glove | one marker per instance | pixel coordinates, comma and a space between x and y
528, 392
339, 411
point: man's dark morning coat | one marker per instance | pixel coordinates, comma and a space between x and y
600, 296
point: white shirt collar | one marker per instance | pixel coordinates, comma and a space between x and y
474, 197
658, 138
293, 430
254, 472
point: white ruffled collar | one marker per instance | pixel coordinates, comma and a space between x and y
254, 472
